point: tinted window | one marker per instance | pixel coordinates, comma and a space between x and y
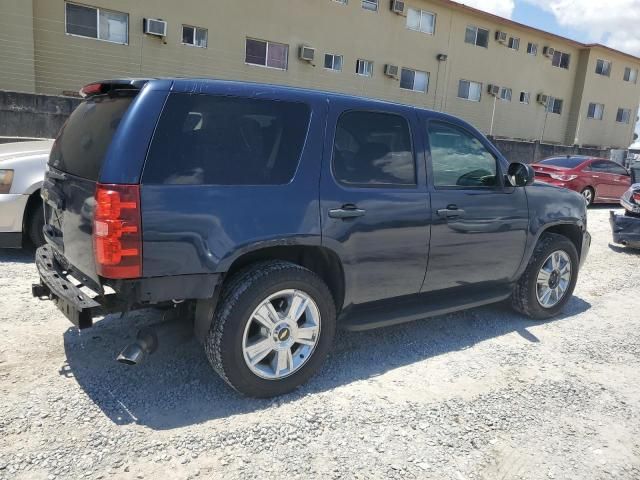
608, 167
459, 159
564, 162
85, 138
373, 149
216, 140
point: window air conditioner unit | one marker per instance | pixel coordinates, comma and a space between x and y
542, 99
154, 26
397, 6
494, 90
306, 53
548, 51
391, 70
501, 37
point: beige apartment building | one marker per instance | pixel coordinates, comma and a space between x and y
508, 79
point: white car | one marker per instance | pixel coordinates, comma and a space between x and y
22, 167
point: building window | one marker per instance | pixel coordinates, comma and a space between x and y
595, 111
505, 94
623, 115
414, 80
561, 60
194, 36
524, 97
532, 49
370, 5
603, 67
469, 90
421, 21
477, 36
514, 43
266, 54
364, 68
97, 23
333, 62
630, 75
554, 105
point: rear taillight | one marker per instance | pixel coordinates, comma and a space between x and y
117, 236
563, 177
636, 197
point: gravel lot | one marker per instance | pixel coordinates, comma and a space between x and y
482, 394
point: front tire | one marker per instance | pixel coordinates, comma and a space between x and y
272, 330
549, 280
35, 225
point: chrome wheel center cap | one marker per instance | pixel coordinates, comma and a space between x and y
282, 335
554, 279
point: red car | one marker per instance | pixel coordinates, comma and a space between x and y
597, 179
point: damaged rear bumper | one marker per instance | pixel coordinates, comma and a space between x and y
626, 229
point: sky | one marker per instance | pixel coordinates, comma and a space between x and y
615, 23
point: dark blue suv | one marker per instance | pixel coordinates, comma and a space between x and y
269, 216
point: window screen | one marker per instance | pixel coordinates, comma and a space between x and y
372, 148
220, 140
460, 159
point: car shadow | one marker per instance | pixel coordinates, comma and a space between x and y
625, 250
176, 387
21, 255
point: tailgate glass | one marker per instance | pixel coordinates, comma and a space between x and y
83, 142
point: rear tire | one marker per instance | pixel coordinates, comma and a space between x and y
541, 275
239, 326
589, 195
35, 225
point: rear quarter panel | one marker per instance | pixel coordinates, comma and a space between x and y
191, 229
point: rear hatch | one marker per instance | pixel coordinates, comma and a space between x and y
74, 169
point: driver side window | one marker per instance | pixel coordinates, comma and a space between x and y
459, 159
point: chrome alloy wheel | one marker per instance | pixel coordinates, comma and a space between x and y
281, 334
554, 279
588, 195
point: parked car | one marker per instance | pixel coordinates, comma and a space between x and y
277, 214
22, 167
626, 227
597, 179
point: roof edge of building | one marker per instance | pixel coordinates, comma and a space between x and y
497, 18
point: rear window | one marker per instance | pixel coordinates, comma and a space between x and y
222, 140
83, 142
564, 162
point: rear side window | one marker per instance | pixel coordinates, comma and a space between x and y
372, 148
221, 140
83, 142
564, 162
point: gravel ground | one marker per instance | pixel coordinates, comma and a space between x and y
482, 394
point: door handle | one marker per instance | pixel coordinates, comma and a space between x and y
347, 211
451, 211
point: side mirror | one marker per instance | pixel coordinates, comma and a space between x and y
520, 174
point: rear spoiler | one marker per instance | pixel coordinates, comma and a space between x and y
108, 86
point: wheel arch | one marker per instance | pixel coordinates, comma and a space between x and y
571, 231
320, 260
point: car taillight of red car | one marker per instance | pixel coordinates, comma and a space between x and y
117, 236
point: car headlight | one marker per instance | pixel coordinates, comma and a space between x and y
562, 177
6, 178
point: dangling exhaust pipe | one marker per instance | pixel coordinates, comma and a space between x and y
146, 343
173, 328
